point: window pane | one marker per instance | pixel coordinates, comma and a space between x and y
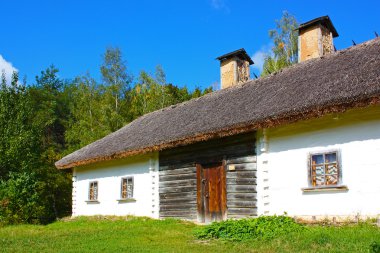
332, 180
317, 159
319, 170
320, 180
332, 169
330, 158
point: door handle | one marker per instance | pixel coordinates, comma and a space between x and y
203, 181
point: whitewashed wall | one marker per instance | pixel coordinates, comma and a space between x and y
283, 165
144, 170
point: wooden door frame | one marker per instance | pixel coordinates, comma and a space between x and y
200, 193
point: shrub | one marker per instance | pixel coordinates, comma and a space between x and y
374, 247
264, 227
19, 199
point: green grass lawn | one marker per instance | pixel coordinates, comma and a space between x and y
146, 235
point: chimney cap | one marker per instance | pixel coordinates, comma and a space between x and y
241, 53
324, 20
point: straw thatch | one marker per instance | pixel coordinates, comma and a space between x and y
346, 79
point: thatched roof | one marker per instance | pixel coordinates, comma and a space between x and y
346, 79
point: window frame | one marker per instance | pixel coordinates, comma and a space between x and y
96, 198
121, 188
339, 184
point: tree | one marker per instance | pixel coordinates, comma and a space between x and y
285, 49
116, 84
19, 136
88, 122
161, 81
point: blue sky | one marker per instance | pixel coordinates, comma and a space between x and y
184, 37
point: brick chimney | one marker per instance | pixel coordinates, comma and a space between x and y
234, 68
315, 38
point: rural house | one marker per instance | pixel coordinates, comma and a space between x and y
305, 141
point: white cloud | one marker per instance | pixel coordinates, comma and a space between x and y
220, 5
259, 57
7, 67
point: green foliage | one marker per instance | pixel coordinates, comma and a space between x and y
264, 227
285, 45
116, 84
19, 135
374, 247
20, 199
32, 125
88, 122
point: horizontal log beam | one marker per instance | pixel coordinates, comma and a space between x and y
241, 196
185, 170
241, 181
241, 174
178, 183
163, 178
178, 195
241, 188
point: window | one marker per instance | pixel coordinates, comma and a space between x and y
126, 188
93, 191
325, 169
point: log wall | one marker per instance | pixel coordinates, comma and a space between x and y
177, 176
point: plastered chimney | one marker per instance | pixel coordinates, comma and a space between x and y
315, 38
234, 68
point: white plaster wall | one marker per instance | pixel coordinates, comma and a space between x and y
144, 170
356, 134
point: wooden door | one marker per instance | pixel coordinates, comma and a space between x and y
211, 192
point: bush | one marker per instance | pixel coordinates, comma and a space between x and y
264, 227
374, 247
20, 200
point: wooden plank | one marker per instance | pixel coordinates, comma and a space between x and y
241, 174
178, 183
177, 166
177, 189
246, 159
241, 196
242, 167
241, 188
185, 170
179, 195
234, 204
177, 207
242, 211
241, 181
177, 177
177, 201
